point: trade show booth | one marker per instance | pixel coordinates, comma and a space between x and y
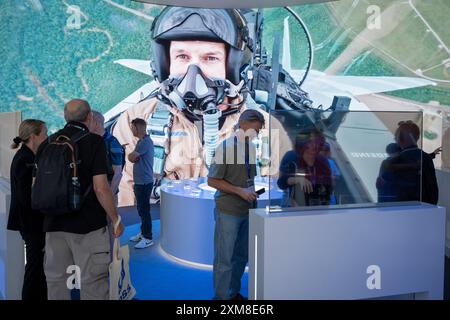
361, 238
351, 208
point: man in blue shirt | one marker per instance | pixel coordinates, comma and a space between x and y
114, 151
142, 158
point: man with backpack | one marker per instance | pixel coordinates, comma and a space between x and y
115, 153
72, 189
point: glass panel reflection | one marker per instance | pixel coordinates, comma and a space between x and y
352, 157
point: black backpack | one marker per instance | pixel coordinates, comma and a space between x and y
56, 189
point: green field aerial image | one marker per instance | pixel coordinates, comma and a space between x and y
45, 61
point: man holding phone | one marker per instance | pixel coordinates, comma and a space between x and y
232, 173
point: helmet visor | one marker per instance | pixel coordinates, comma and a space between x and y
177, 23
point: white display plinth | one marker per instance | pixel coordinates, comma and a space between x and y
12, 258
187, 219
443, 178
342, 252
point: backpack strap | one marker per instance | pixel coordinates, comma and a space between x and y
75, 139
79, 135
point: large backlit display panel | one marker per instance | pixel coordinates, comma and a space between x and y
367, 51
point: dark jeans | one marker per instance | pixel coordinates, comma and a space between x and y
142, 193
34, 282
230, 254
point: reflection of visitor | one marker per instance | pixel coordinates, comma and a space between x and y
305, 175
335, 172
436, 152
413, 169
385, 181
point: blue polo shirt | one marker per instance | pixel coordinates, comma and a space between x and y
114, 149
143, 168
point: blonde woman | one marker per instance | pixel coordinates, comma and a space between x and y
21, 217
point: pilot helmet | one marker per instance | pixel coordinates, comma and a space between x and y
223, 25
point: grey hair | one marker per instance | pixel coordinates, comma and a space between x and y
98, 116
76, 110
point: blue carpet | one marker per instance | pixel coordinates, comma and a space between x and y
157, 277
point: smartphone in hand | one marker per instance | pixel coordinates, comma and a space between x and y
261, 191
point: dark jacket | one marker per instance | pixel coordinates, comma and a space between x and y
415, 176
21, 217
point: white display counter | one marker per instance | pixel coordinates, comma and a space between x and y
347, 252
187, 219
443, 178
12, 258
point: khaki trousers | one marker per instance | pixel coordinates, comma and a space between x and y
80, 258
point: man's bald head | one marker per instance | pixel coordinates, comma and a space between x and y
77, 110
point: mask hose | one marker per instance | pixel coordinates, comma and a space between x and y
211, 132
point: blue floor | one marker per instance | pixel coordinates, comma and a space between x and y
157, 277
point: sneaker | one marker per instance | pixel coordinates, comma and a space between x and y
136, 238
238, 296
144, 243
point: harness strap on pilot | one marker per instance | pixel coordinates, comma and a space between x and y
158, 128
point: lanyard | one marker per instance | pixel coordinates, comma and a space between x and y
75, 126
246, 156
